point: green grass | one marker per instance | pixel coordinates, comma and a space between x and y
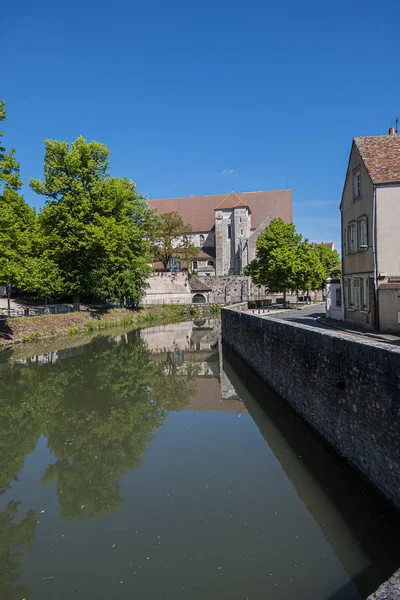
31, 337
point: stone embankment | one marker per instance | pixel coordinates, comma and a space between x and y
346, 387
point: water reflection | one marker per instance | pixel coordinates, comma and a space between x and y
153, 446
15, 538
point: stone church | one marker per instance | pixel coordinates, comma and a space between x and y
225, 228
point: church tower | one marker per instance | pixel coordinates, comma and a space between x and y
232, 230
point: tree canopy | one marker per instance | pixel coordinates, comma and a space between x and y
171, 240
17, 220
96, 228
286, 261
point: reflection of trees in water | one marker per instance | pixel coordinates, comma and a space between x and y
98, 410
15, 538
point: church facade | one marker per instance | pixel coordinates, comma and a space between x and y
225, 227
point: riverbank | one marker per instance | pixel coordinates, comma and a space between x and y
28, 329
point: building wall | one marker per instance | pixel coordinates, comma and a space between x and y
360, 262
344, 386
168, 288
223, 245
388, 229
241, 232
389, 309
358, 266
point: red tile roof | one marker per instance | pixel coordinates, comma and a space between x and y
198, 211
232, 200
381, 157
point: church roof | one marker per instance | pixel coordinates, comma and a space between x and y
232, 200
198, 211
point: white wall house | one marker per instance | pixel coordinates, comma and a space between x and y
370, 209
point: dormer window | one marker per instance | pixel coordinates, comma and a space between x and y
356, 184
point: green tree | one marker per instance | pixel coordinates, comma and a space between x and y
125, 226
94, 227
283, 259
330, 261
17, 221
186, 252
171, 240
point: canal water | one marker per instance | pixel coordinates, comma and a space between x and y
155, 465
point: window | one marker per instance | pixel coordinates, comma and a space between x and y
241, 232
347, 293
351, 238
210, 263
338, 296
354, 238
174, 266
195, 265
364, 293
356, 293
202, 239
351, 292
362, 234
229, 232
356, 184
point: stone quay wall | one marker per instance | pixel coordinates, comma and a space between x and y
347, 388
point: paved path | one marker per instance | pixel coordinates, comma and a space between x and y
314, 316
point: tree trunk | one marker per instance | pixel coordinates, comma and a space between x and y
76, 302
284, 298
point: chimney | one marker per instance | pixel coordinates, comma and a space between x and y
391, 131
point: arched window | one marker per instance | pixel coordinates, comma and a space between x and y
229, 232
202, 239
210, 263
198, 299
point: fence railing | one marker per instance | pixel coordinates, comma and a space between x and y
36, 311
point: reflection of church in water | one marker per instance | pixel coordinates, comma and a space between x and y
194, 348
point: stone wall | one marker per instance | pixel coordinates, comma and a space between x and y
173, 288
390, 590
347, 388
168, 288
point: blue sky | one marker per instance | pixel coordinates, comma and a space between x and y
205, 97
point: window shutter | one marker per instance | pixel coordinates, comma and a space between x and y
357, 298
355, 239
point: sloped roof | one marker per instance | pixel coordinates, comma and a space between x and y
198, 211
197, 285
206, 253
381, 157
232, 200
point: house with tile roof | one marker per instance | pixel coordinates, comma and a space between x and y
225, 227
370, 210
